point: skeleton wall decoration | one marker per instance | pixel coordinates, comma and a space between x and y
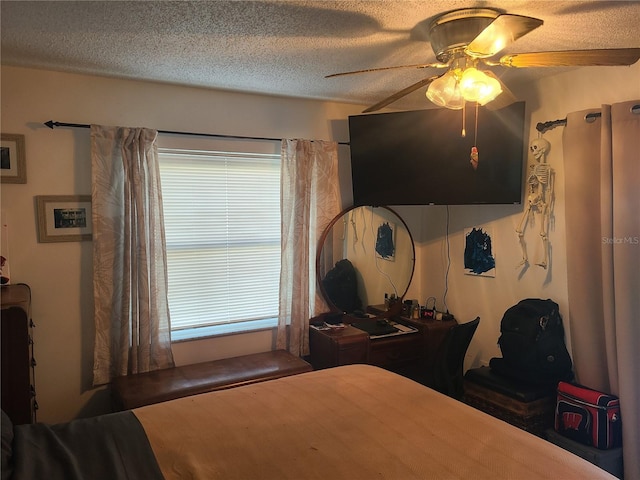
539, 200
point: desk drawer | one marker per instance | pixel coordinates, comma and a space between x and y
343, 347
390, 352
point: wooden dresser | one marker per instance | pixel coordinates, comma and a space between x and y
18, 363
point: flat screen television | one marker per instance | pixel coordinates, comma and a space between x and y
421, 158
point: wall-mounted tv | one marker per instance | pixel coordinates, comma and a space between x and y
421, 158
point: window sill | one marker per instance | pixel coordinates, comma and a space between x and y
189, 334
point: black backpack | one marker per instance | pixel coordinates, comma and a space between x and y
532, 344
341, 286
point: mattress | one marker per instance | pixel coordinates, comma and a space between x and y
351, 422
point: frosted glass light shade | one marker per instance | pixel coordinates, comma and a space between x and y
445, 91
477, 86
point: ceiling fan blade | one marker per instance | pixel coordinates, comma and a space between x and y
500, 33
573, 58
398, 95
505, 99
381, 69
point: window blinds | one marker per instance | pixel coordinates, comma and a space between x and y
222, 226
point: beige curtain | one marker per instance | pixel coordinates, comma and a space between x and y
602, 196
129, 261
310, 199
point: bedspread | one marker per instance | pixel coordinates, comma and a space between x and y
352, 422
108, 447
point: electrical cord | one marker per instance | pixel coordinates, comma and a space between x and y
446, 275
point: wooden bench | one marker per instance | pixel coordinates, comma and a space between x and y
134, 391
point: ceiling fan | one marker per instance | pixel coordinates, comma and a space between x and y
465, 39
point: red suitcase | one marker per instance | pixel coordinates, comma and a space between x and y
588, 416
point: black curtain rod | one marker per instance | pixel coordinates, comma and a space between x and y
51, 124
544, 126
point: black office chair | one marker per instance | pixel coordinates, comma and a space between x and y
448, 375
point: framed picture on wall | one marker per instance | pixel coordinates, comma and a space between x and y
479, 256
64, 218
12, 160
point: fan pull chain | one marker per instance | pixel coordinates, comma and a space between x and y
464, 115
475, 138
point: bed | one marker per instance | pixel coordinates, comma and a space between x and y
352, 422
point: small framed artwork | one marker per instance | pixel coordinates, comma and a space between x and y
13, 166
64, 218
479, 257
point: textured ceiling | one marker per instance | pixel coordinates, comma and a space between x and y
284, 47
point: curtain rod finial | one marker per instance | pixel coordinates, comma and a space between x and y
50, 124
544, 126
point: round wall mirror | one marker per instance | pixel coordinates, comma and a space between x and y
364, 254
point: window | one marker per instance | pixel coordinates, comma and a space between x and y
222, 225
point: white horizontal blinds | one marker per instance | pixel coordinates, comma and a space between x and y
222, 223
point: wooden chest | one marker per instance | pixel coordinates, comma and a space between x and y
529, 407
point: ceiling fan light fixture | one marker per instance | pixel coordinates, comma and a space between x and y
477, 86
445, 91
464, 38
458, 86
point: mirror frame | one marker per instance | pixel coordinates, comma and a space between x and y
323, 238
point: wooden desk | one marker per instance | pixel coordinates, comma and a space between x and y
409, 354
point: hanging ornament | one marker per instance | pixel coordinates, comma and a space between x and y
474, 158
474, 150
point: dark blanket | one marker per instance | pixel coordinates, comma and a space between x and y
109, 447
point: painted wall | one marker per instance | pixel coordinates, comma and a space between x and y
58, 162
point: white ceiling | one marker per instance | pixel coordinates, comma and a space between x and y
284, 47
